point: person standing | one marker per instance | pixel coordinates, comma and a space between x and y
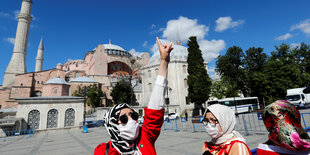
121, 121
219, 122
286, 135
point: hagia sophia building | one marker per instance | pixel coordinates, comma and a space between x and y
43, 99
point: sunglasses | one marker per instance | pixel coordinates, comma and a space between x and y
124, 118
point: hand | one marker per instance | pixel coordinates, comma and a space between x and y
164, 50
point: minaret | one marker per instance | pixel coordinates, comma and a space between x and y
17, 64
39, 58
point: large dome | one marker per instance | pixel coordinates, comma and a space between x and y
56, 80
115, 50
179, 53
83, 79
113, 47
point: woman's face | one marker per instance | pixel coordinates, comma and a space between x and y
125, 111
210, 118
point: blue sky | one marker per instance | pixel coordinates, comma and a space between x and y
71, 28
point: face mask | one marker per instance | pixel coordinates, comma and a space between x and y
130, 130
212, 130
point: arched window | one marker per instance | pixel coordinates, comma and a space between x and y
37, 93
77, 75
52, 118
156, 71
55, 91
184, 69
185, 83
69, 117
34, 119
150, 87
149, 73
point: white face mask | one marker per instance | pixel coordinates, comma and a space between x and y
129, 131
213, 130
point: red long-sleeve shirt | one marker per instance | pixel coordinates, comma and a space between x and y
153, 121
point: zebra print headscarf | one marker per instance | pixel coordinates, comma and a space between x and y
111, 124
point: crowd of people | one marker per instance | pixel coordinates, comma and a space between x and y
282, 120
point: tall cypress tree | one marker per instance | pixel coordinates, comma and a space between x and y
198, 80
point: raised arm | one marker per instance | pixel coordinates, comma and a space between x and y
157, 99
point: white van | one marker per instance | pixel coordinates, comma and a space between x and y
298, 98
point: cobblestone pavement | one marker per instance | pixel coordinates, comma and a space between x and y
73, 141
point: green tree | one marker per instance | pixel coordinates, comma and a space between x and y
78, 92
255, 62
231, 67
123, 93
199, 82
282, 73
218, 89
223, 88
93, 93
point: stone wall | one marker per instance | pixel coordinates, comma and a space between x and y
45, 104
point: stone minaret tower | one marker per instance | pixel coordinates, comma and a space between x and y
17, 64
39, 58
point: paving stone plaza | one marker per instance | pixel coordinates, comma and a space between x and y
73, 141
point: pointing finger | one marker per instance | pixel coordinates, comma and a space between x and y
158, 42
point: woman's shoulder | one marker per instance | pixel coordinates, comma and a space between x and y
238, 146
100, 149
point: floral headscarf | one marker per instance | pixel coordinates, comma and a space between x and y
282, 121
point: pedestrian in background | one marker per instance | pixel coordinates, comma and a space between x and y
286, 135
219, 121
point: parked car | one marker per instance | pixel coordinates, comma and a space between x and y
172, 116
91, 124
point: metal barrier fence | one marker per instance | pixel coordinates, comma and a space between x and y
248, 123
7, 135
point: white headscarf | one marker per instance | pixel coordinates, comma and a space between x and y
227, 121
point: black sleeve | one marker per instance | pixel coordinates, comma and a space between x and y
207, 153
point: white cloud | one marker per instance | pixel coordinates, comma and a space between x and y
213, 74
284, 37
5, 15
211, 49
16, 12
224, 23
145, 44
134, 53
294, 45
304, 26
182, 28
153, 26
14, 15
10, 40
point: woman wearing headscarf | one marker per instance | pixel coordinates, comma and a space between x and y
121, 121
286, 135
219, 122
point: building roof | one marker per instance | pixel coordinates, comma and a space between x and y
56, 80
8, 110
83, 79
179, 53
113, 47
